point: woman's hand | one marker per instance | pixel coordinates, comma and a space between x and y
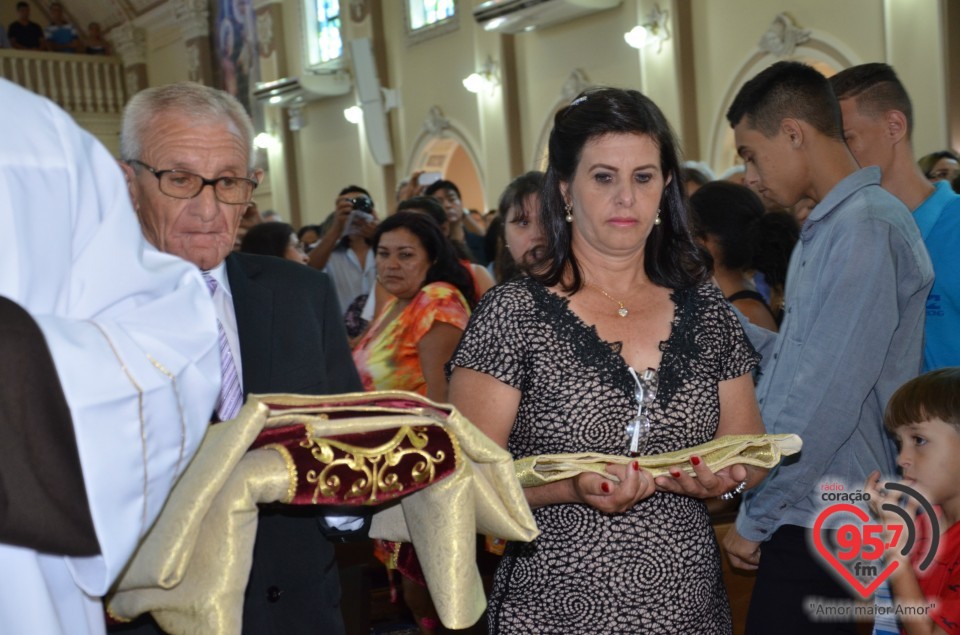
610, 497
706, 483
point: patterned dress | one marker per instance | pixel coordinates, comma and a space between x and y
655, 568
387, 359
387, 356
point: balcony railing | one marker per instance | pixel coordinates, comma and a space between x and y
80, 84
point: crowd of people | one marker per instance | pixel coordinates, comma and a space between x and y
59, 36
796, 295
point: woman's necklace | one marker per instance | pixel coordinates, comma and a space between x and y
622, 311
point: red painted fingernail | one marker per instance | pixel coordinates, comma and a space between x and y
675, 473
636, 466
605, 486
695, 460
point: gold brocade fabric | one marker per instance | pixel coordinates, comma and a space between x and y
191, 570
760, 450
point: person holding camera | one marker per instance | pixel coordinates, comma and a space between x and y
344, 252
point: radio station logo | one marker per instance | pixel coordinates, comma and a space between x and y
852, 542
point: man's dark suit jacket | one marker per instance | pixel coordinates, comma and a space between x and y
292, 339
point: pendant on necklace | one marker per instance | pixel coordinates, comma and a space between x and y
622, 311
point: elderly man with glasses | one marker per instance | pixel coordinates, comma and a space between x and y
187, 155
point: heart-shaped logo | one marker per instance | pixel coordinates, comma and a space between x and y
855, 541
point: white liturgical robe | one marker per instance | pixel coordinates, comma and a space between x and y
133, 337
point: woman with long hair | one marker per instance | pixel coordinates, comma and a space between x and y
564, 359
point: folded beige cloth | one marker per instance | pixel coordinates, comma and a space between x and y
191, 570
760, 450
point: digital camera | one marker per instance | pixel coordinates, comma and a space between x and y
361, 203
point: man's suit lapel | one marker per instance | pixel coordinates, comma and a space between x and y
253, 305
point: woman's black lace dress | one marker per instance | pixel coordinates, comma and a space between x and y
656, 568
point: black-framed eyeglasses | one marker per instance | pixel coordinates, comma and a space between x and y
232, 190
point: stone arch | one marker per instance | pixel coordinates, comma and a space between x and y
576, 82
443, 146
820, 50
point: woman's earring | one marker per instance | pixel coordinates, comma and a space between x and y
568, 208
657, 220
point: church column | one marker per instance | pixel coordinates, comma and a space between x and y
193, 18
131, 45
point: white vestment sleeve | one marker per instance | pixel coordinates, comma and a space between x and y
133, 336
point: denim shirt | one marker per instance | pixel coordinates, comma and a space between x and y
856, 297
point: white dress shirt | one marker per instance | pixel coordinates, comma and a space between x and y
223, 306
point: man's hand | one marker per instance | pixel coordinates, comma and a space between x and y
743, 553
411, 188
341, 214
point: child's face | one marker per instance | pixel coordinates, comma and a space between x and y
929, 453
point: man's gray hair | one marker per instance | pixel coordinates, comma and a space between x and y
196, 101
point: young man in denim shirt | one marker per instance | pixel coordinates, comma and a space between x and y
853, 332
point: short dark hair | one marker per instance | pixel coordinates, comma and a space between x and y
267, 239
445, 267
318, 229
442, 185
354, 188
516, 193
693, 175
875, 88
22, 5
671, 257
933, 395
729, 212
787, 89
426, 204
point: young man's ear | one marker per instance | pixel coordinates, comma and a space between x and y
793, 130
896, 125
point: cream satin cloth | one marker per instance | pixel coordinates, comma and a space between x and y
760, 450
191, 570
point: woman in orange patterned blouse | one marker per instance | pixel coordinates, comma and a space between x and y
407, 346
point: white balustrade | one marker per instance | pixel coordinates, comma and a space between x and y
77, 83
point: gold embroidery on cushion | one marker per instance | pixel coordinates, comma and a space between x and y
373, 465
291, 470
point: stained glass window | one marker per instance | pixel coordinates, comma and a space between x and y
326, 43
425, 13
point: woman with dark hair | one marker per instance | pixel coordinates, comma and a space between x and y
406, 347
777, 235
727, 219
519, 211
940, 166
429, 206
554, 363
273, 239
